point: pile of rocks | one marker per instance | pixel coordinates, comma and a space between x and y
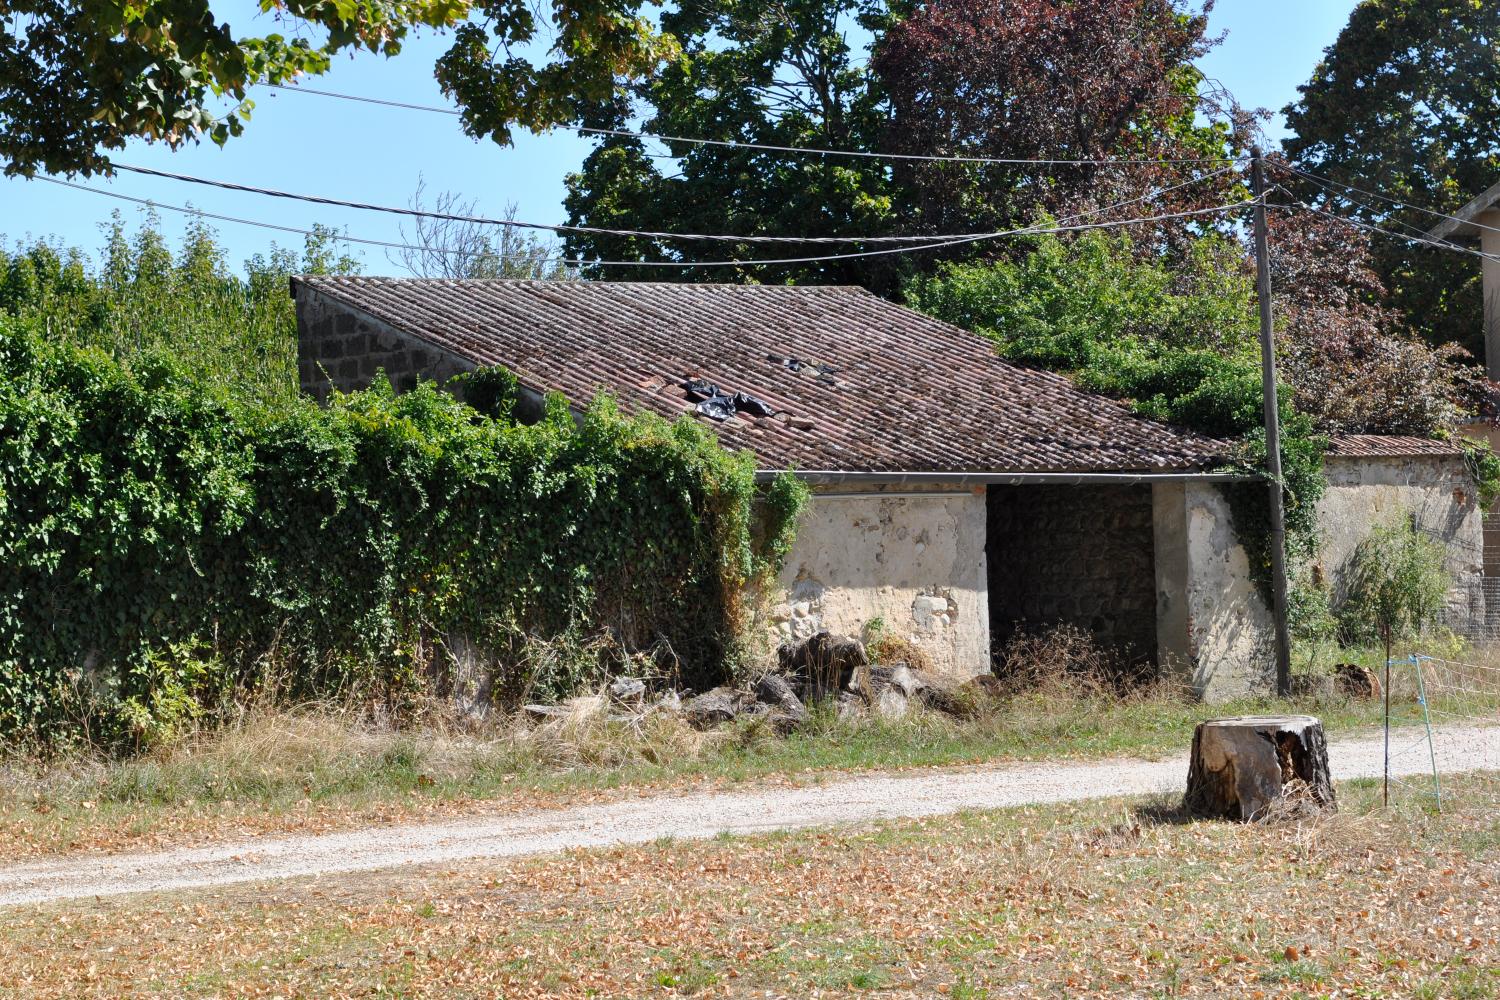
821, 667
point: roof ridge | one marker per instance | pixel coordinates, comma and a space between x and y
579, 284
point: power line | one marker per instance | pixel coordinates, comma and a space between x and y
904, 157
1417, 233
1423, 240
365, 100
188, 210
916, 241
517, 224
1398, 202
799, 150
575, 262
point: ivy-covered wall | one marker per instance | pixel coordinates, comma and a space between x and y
163, 548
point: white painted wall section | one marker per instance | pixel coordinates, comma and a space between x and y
1212, 625
914, 559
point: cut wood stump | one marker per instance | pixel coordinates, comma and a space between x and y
1246, 767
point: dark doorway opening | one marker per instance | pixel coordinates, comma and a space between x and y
1074, 555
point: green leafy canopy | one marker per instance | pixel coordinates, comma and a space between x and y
1407, 102
81, 77
1174, 336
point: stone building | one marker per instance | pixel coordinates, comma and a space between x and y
1478, 224
1374, 480
957, 498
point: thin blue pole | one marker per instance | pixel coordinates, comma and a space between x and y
1437, 786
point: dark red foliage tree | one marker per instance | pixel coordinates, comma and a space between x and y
1353, 364
1043, 79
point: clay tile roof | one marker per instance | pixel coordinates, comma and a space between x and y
906, 393
1388, 446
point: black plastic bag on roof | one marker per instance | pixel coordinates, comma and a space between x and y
746, 403
701, 388
716, 407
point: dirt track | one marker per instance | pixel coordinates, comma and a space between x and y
844, 801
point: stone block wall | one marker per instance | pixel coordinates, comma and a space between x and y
1435, 490
1075, 555
340, 347
914, 559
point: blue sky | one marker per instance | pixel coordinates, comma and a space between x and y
363, 152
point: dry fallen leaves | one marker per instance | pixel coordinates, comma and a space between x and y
1019, 903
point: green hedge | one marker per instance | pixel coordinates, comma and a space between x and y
163, 548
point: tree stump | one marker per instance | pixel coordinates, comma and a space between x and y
1244, 767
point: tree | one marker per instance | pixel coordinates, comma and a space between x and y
1042, 79
79, 77
775, 72
1352, 363
142, 300
782, 72
452, 248
1406, 102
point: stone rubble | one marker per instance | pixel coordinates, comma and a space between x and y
821, 667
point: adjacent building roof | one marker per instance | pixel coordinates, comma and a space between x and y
1388, 446
1464, 225
857, 384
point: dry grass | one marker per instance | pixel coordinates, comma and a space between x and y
1108, 898
1066, 661
317, 769
321, 768
890, 648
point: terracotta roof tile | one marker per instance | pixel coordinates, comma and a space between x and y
1388, 446
907, 393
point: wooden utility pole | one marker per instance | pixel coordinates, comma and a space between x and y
1273, 427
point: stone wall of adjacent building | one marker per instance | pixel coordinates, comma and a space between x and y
1437, 491
915, 559
1075, 555
341, 347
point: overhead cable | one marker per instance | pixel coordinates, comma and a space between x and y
924, 240
799, 150
1398, 202
1415, 232
1370, 227
576, 262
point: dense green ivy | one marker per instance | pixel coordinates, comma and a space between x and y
1484, 466
163, 547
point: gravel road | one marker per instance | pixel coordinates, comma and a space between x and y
847, 800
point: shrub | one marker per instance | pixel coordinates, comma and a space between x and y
161, 543
1399, 585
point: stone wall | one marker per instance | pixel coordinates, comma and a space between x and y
1076, 555
914, 559
1436, 490
1213, 628
341, 347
